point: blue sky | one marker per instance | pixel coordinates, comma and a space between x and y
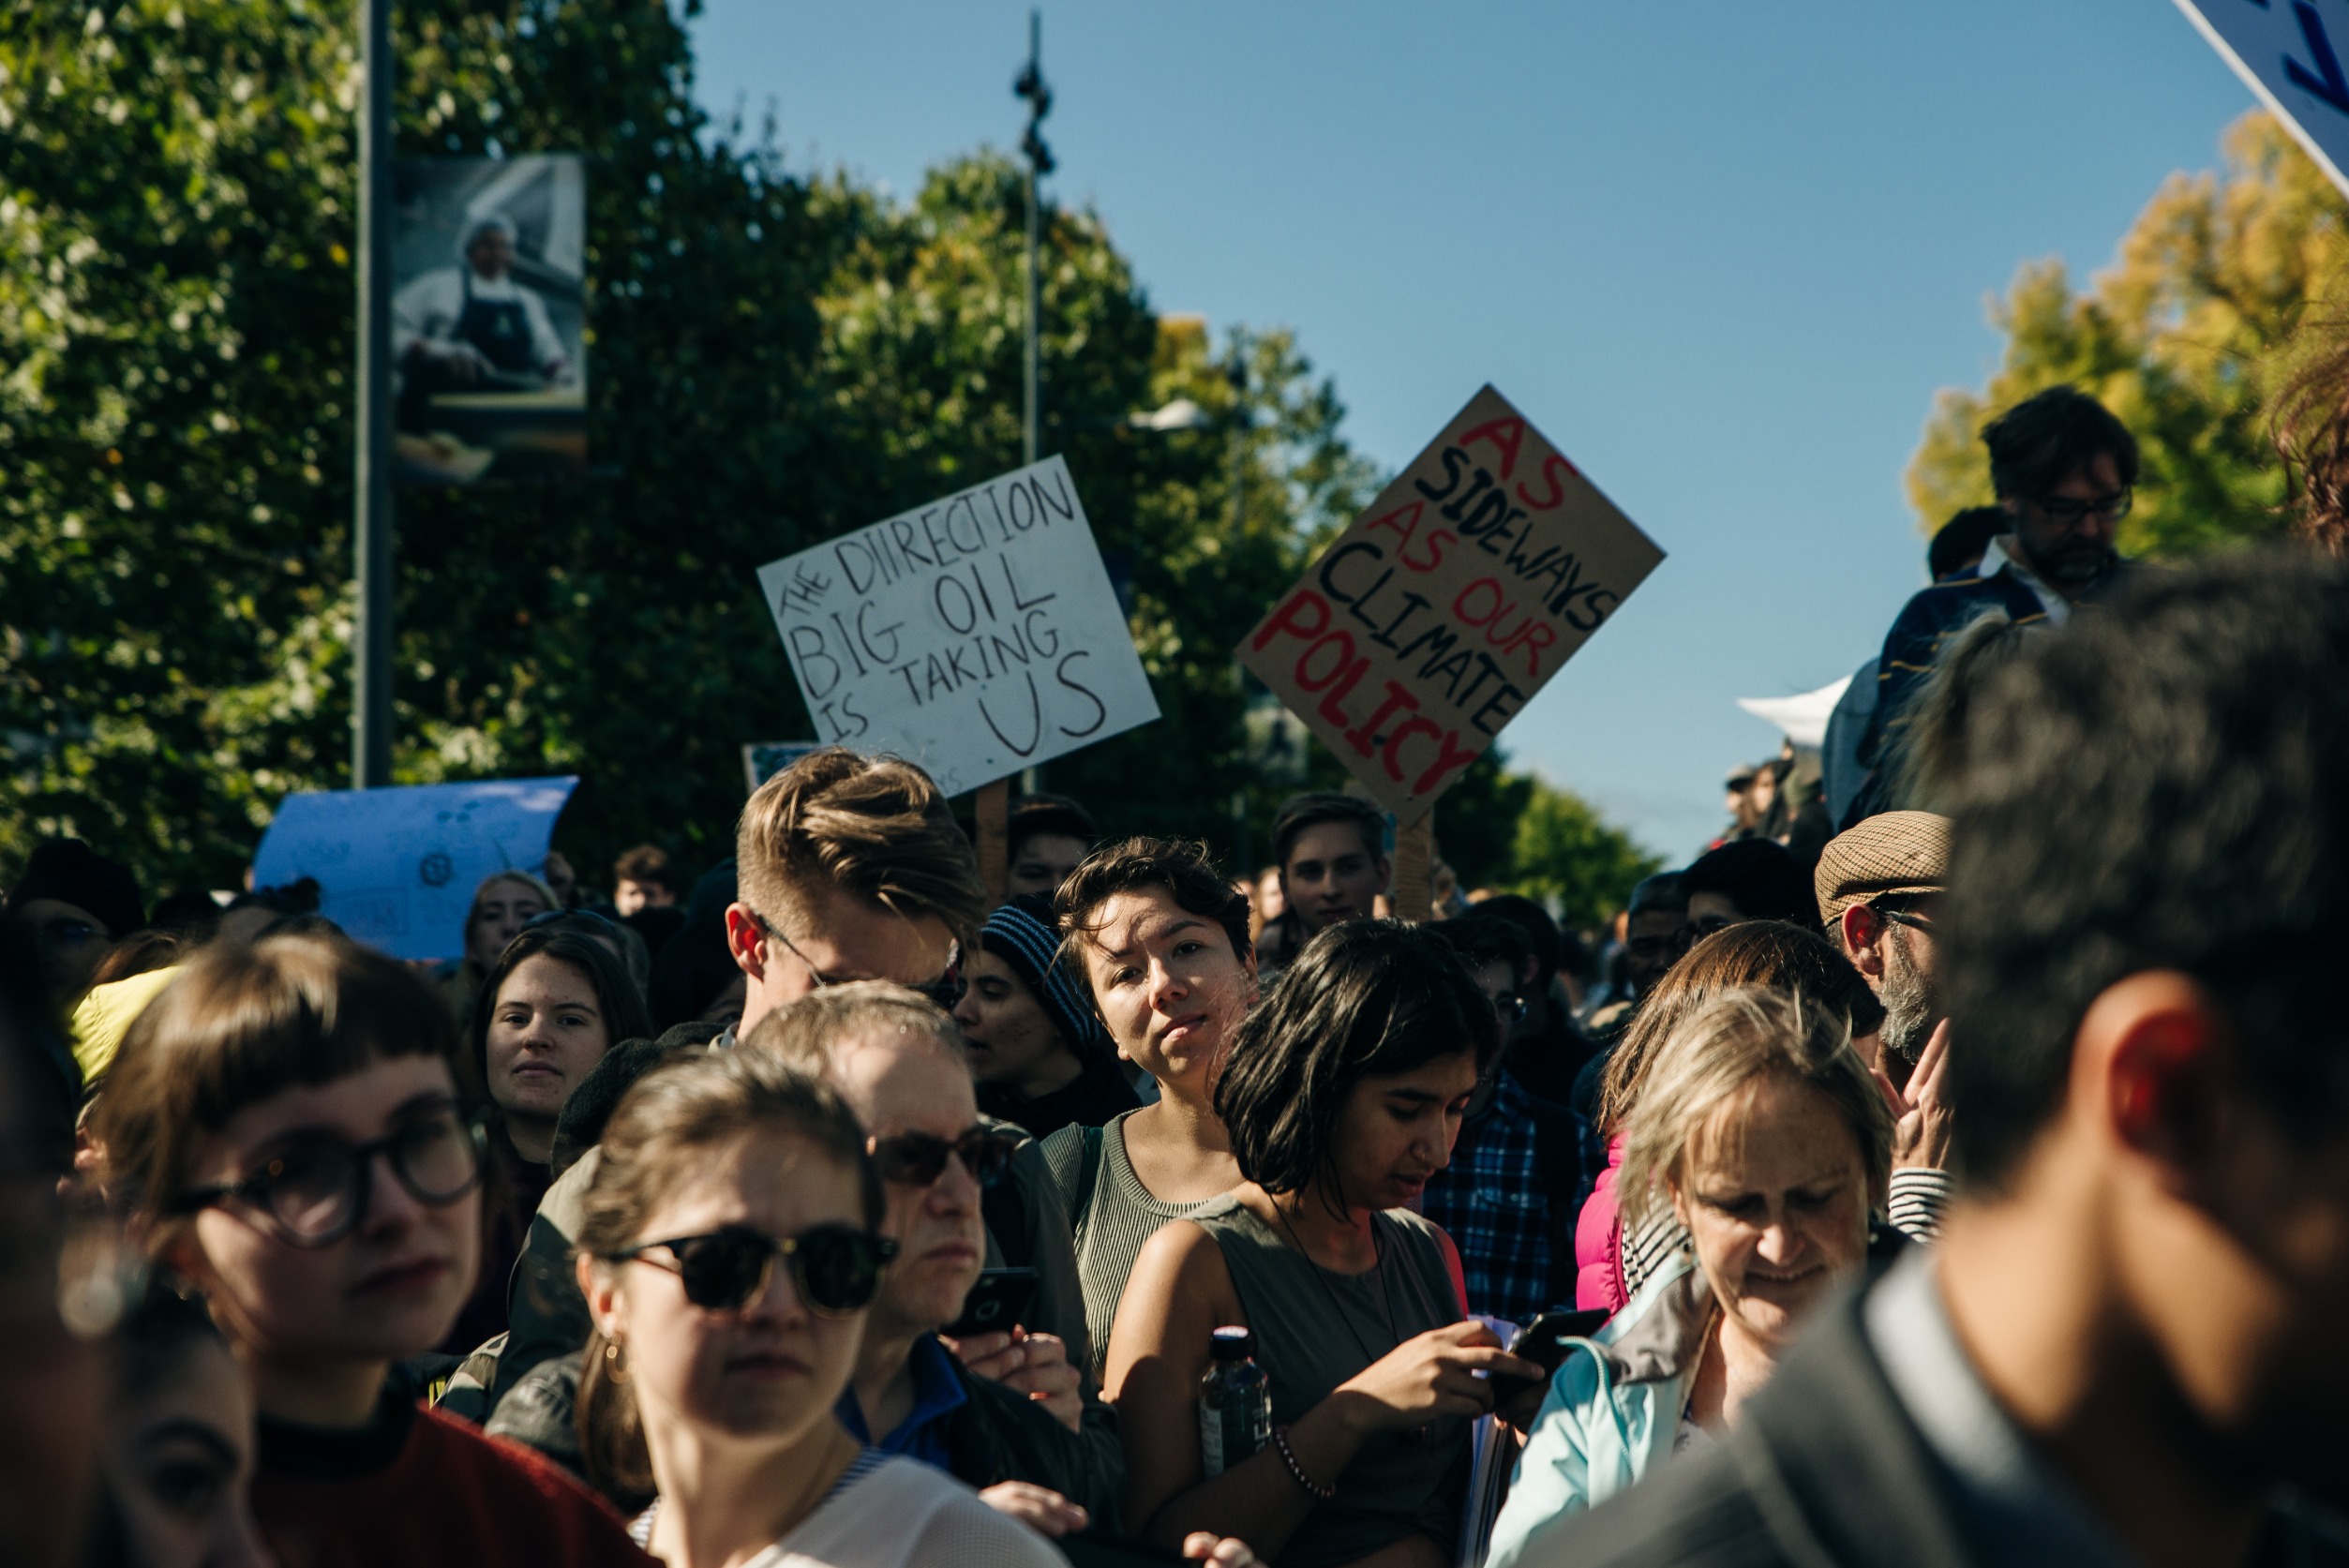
1723, 254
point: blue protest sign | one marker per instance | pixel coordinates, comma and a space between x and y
2289, 54
396, 868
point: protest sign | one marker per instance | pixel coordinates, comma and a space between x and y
2286, 55
396, 868
977, 635
1424, 628
763, 760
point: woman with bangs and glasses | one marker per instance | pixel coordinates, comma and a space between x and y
730, 1254
287, 1128
1343, 1095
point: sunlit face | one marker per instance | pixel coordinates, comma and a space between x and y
499, 911
1168, 984
1332, 875
769, 1369
1040, 862
1271, 902
389, 1289
2071, 552
179, 1465
1007, 1032
1774, 1190
1397, 1130
896, 1084
632, 896
840, 938
546, 1032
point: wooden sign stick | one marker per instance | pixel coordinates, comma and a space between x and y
1414, 848
994, 802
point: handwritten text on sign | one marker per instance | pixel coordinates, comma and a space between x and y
977, 635
1419, 633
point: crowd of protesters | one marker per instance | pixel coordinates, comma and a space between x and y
1947, 1165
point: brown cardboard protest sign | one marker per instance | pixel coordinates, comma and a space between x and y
1424, 626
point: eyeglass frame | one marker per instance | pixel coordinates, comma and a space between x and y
786, 1247
253, 1189
2070, 512
936, 990
975, 1132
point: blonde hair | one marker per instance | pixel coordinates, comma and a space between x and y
804, 1035
876, 827
1713, 1053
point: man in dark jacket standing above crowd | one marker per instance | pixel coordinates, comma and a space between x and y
2127, 1348
2063, 469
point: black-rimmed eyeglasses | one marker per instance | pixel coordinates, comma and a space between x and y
315, 1190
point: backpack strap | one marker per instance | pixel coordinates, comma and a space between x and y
1088, 1176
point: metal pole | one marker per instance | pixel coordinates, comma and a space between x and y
371, 638
1035, 75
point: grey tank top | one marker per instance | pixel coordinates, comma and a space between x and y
1121, 1217
1401, 1482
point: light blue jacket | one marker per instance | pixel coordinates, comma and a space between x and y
1613, 1410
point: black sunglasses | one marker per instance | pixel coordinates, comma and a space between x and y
836, 1269
919, 1159
314, 1192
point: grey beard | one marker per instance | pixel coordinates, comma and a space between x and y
1912, 1004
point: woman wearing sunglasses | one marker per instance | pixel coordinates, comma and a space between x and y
728, 1254
285, 1125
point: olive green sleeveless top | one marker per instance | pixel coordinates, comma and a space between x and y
1312, 1329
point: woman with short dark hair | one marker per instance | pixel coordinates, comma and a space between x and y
1342, 1096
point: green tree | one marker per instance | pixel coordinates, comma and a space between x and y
1566, 854
2186, 337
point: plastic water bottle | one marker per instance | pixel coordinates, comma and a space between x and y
1235, 1403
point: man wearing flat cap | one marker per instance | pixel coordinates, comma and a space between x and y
1879, 885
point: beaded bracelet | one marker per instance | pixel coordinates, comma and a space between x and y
1296, 1472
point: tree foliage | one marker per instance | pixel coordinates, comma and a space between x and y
2186, 337
775, 357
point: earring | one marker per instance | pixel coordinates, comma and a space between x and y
614, 1362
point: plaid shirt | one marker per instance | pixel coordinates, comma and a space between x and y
1492, 1203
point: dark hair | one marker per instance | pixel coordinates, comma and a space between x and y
1665, 889
1759, 877
142, 953
648, 863
607, 931
692, 1103
1364, 999
2162, 785
1481, 938
2038, 443
153, 1339
1031, 815
1963, 540
624, 1015
1300, 812
1542, 936
297, 896
240, 1024
1772, 954
1181, 866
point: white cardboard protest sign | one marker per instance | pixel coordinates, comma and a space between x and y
2285, 52
1420, 631
977, 635
396, 868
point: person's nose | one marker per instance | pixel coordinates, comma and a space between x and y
1166, 986
236, 1541
392, 1209
776, 1302
956, 1191
1781, 1241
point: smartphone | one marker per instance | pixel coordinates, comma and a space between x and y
1089, 1550
1544, 1342
997, 1302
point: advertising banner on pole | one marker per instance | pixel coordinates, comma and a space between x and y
490, 318
977, 635
1423, 627
396, 868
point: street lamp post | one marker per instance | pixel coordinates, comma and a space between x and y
1031, 87
371, 546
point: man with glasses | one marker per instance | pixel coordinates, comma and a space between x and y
1506, 1199
1003, 1412
2063, 469
1879, 891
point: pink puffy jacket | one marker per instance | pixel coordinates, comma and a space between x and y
1598, 1240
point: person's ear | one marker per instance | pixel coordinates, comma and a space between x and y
746, 940
599, 1286
1860, 928
2148, 1063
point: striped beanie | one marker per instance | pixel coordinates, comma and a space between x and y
1020, 933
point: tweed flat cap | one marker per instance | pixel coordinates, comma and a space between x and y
1899, 852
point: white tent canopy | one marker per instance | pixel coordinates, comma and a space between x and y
1804, 716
